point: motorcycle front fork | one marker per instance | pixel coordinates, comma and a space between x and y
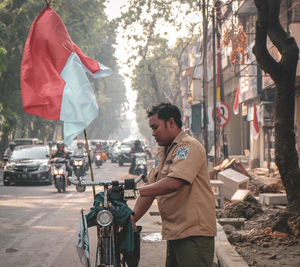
106, 250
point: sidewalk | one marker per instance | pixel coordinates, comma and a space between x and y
153, 249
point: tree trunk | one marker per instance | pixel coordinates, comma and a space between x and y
283, 74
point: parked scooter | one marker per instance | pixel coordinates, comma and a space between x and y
79, 166
140, 164
59, 173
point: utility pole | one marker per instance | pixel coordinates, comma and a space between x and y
204, 78
216, 158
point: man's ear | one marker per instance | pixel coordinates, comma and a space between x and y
172, 122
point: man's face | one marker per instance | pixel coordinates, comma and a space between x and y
160, 130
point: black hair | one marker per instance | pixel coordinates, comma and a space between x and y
165, 111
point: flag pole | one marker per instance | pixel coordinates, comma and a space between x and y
90, 162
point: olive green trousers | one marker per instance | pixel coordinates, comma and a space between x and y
193, 251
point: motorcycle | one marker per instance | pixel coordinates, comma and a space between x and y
98, 160
111, 215
59, 173
140, 167
79, 166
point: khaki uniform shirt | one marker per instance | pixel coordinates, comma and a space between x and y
190, 211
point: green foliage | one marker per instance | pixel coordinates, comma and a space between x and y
89, 29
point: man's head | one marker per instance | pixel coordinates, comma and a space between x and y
12, 145
79, 144
60, 146
137, 143
165, 122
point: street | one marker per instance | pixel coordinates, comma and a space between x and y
38, 225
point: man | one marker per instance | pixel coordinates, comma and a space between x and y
9, 150
62, 153
79, 150
136, 148
179, 181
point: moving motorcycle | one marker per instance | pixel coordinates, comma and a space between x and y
98, 160
140, 164
79, 166
59, 173
111, 215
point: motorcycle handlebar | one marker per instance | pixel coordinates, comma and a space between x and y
106, 183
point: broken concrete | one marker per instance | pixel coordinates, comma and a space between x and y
240, 195
233, 181
273, 199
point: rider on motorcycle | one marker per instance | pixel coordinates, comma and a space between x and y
62, 153
98, 150
9, 150
137, 147
79, 150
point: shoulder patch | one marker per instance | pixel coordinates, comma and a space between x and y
182, 152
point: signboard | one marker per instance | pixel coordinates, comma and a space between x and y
223, 114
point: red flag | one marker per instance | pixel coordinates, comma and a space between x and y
255, 127
237, 101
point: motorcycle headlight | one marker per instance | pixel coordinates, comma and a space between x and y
55, 171
61, 171
104, 218
98, 157
78, 162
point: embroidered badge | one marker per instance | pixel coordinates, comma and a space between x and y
157, 160
182, 153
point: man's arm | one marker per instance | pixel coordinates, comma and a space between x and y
141, 206
164, 186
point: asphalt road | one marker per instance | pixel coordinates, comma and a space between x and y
38, 225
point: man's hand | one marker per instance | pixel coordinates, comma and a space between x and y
134, 227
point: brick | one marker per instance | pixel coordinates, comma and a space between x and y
233, 181
240, 195
236, 222
273, 199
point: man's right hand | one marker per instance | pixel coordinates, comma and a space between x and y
134, 227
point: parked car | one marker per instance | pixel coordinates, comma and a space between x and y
27, 141
27, 164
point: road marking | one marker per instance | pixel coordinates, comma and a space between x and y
34, 219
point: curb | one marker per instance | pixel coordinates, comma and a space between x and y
225, 253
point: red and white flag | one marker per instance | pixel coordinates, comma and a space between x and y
54, 84
255, 127
237, 101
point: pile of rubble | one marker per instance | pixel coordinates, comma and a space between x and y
249, 202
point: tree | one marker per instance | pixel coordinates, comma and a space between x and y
283, 74
157, 63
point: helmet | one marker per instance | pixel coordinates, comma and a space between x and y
137, 143
60, 145
98, 145
79, 144
12, 145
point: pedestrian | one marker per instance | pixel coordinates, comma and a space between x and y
179, 180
